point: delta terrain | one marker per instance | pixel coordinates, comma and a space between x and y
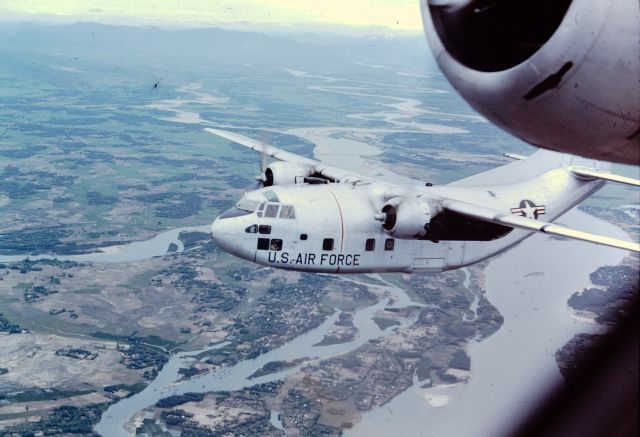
102, 145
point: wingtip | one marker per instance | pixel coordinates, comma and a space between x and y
515, 156
213, 131
590, 173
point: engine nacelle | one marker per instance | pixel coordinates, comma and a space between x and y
559, 74
285, 173
408, 218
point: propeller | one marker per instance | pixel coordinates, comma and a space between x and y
390, 216
408, 217
265, 178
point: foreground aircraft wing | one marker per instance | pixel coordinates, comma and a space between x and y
333, 173
514, 221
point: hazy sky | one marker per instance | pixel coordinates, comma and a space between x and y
399, 15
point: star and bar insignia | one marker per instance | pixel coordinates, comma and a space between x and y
529, 209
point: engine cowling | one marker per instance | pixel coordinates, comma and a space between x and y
408, 218
285, 173
559, 74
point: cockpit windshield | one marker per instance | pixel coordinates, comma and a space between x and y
245, 206
270, 209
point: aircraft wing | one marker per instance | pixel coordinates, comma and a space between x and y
332, 173
515, 221
263, 147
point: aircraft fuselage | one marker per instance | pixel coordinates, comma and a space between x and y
331, 228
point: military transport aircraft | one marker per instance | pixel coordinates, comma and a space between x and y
316, 218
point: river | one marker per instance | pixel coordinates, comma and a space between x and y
513, 368
119, 419
135, 251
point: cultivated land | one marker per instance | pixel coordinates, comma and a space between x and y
102, 143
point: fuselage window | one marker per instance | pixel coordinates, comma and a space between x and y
271, 211
263, 244
287, 212
264, 229
370, 245
252, 229
276, 244
303, 237
327, 244
389, 244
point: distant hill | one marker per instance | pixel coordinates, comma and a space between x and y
116, 46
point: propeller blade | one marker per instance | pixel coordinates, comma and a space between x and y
264, 159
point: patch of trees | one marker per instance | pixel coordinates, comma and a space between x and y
460, 360
175, 400
28, 241
185, 205
26, 151
77, 353
175, 417
176, 205
141, 356
188, 372
36, 293
65, 420
620, 285
96, 198
34, 266
8, 327
131, 388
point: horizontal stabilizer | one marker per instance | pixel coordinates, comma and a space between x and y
519, 222
595, 174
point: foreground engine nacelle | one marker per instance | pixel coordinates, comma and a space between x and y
285, 173
559, 74
408, 218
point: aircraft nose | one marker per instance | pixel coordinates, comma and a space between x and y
224, 235
219, 233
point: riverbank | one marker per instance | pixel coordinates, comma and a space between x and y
513, 368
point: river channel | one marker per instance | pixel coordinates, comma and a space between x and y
135, 251
116, 421
513, 368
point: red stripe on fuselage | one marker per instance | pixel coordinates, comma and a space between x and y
341, 223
